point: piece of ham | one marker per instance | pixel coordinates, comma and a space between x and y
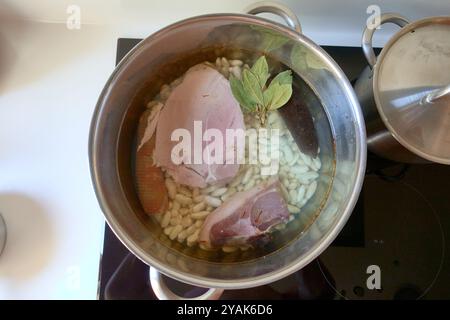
203, 95
246, 216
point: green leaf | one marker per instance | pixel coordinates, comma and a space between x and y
284, 77
268, 94
269, 40
239, 93
279, 95
252, 87
303, 59
261, 70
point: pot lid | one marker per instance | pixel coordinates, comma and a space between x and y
412, 88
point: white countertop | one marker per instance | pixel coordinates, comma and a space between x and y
50, 78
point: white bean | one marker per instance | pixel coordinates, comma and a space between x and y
166, 219
193, 238
218, 192
168, 230
306, 160
175, 231
185, 191
191, 229
199, 198
199, 207
306, 178
229, 193
199, 215
182, 199
176, 206
225, 71
299, 169
229, 249
198, 223
293, 185
183, 211
209, 189
311, 189
182, 235
293, 209
225, 63
301, 193
236, 63
316, 164
236, 71
186, 222
288, 155
214, 202
284, 192
171, 188
310, 175
292, 196
294, 160
175, 221
175, 213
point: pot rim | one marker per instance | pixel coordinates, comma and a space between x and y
376, 69
295, 265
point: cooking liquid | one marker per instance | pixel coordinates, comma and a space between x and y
307, 122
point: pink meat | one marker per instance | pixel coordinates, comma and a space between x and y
204, 95
246, 216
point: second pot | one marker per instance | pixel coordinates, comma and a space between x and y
404, 92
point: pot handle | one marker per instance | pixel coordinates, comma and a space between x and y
368, 35
278, 9
162, 292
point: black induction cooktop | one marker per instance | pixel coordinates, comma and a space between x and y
398, 230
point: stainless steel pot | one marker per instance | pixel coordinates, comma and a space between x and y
339, 128
405, 92
2, 234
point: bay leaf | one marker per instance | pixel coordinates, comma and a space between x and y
261, 70
239, 93
279, 95
252, 87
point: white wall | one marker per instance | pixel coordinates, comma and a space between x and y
324, 21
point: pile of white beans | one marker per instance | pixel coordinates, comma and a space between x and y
189, 207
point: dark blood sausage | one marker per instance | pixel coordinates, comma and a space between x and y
300, 123
151, 188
